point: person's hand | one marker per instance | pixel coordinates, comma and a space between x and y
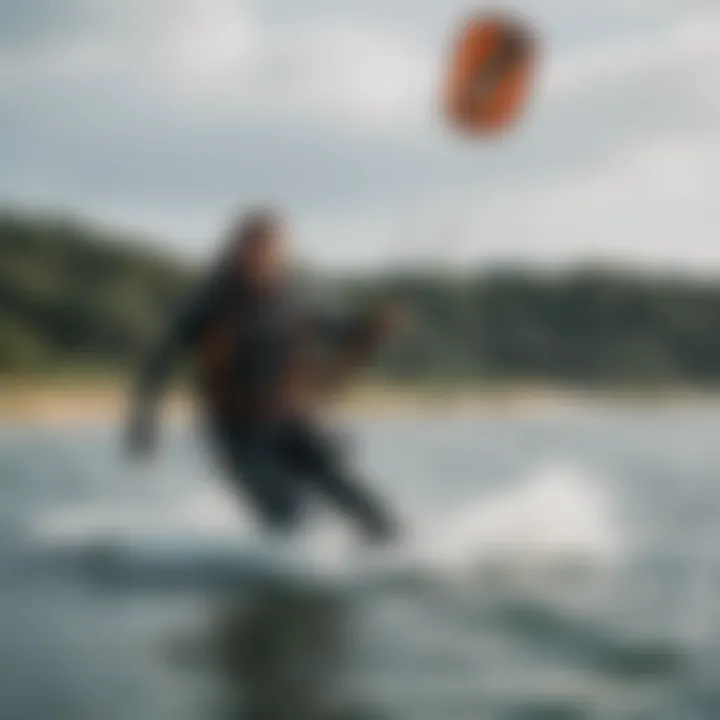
141, 435
393, 316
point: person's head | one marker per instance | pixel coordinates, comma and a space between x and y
258, 251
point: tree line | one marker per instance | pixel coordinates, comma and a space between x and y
72, 295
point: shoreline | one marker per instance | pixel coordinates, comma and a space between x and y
57, 402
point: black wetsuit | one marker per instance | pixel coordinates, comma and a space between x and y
273, 459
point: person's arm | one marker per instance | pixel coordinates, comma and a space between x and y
357, 339
183, 333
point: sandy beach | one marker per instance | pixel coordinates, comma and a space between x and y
56, 402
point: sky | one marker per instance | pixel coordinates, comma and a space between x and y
168, 117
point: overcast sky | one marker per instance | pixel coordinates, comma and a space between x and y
165, 116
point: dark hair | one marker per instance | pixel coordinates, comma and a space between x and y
251, 229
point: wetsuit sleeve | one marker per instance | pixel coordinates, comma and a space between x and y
183, 332
354, 339
362, 337
334, 328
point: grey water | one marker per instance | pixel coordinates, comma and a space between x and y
559, 563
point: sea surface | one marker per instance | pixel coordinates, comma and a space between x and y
557, 564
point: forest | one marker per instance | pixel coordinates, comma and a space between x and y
73, 295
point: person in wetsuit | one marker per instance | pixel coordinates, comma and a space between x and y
264, 365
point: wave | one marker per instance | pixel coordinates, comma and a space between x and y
555, 520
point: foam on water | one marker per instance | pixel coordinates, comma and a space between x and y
205, 515
555, 516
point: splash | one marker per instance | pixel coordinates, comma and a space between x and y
557, 517
202, 516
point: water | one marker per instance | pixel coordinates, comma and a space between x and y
557, 565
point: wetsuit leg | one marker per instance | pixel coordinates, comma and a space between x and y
251, 460
309, 453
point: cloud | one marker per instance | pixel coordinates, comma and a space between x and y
648, 202
205, 46
213, 57
166, 114
179, 47
675, 51
348, 73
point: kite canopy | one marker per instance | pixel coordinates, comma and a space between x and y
490, 74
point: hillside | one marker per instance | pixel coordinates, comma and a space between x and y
72, 295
